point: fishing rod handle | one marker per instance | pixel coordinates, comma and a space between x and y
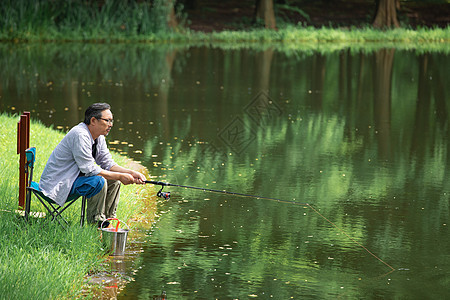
157, 182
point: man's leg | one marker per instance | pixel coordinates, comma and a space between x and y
96, 206
104, 204
112, 198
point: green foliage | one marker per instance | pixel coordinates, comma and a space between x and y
145, 21
293, 9
76, 19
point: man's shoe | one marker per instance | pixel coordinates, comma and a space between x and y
103, 224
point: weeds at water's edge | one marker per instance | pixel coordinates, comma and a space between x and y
289, 36
39, 259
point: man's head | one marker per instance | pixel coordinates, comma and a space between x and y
99, 119
95, 111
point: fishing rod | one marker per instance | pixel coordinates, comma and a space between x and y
166, 195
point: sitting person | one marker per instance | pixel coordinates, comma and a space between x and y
81, 165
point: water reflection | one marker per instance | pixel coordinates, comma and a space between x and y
361, 136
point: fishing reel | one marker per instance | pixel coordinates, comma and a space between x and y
164, 195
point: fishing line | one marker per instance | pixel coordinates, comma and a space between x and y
352, 239
166, 195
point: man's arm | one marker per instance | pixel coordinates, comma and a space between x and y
126, 176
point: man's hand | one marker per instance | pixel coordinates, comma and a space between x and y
139, 178
126, 178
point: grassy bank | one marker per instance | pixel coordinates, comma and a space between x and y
142, 21
288, 35
40, 260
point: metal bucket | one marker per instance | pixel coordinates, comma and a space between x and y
115, 239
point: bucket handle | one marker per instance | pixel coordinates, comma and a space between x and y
117, 225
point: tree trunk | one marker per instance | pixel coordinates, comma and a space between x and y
171, 18
264, 11
386, 15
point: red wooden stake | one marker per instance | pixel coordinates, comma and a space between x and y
23, 142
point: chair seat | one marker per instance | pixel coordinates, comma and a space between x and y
34, 186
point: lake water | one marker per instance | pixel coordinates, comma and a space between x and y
354, 144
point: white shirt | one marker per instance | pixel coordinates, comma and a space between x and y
72, 156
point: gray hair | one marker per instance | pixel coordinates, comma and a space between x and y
95, 110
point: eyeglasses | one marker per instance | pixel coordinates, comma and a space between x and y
109, 121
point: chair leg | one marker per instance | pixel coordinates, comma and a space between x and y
83, 210
27, 205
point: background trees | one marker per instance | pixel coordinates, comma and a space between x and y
20, 18
264, 11
218, 15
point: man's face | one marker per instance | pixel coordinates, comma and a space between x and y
106, 122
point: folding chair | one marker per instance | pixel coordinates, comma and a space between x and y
53, 208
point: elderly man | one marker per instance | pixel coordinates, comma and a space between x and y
81, 165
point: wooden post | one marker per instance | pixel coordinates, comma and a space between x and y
23, 143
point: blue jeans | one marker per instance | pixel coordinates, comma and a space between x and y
88, 186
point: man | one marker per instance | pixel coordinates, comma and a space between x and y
81, 165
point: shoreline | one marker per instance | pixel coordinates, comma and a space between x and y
288, 35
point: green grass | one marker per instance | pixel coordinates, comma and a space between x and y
39, 259
289, 35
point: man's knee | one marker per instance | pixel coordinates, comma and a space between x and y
100, 186
114, 184
88, 186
